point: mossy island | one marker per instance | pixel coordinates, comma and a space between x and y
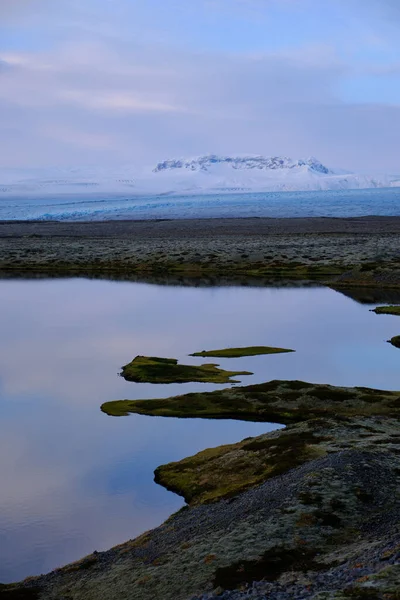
145, 369
241, 352
387, 310
395, 341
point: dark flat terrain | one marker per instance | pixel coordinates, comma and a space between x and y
358, 252
199, 228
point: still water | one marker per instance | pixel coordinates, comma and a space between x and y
73, 480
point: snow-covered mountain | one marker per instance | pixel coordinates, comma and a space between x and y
210, 162
202, 175
258, 173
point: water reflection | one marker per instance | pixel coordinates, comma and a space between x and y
74, 480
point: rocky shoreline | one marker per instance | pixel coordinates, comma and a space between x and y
309, 511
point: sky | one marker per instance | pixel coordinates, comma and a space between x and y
133, 82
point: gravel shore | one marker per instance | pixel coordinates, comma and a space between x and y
330, 525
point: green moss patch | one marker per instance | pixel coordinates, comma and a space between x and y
387, 310
240, 352
144, 369
225, 471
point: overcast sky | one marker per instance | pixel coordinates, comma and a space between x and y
105, 82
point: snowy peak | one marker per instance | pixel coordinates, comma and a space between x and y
263, 163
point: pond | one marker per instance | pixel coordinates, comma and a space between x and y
74, 480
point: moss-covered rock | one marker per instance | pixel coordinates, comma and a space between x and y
240, 352
144, 369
